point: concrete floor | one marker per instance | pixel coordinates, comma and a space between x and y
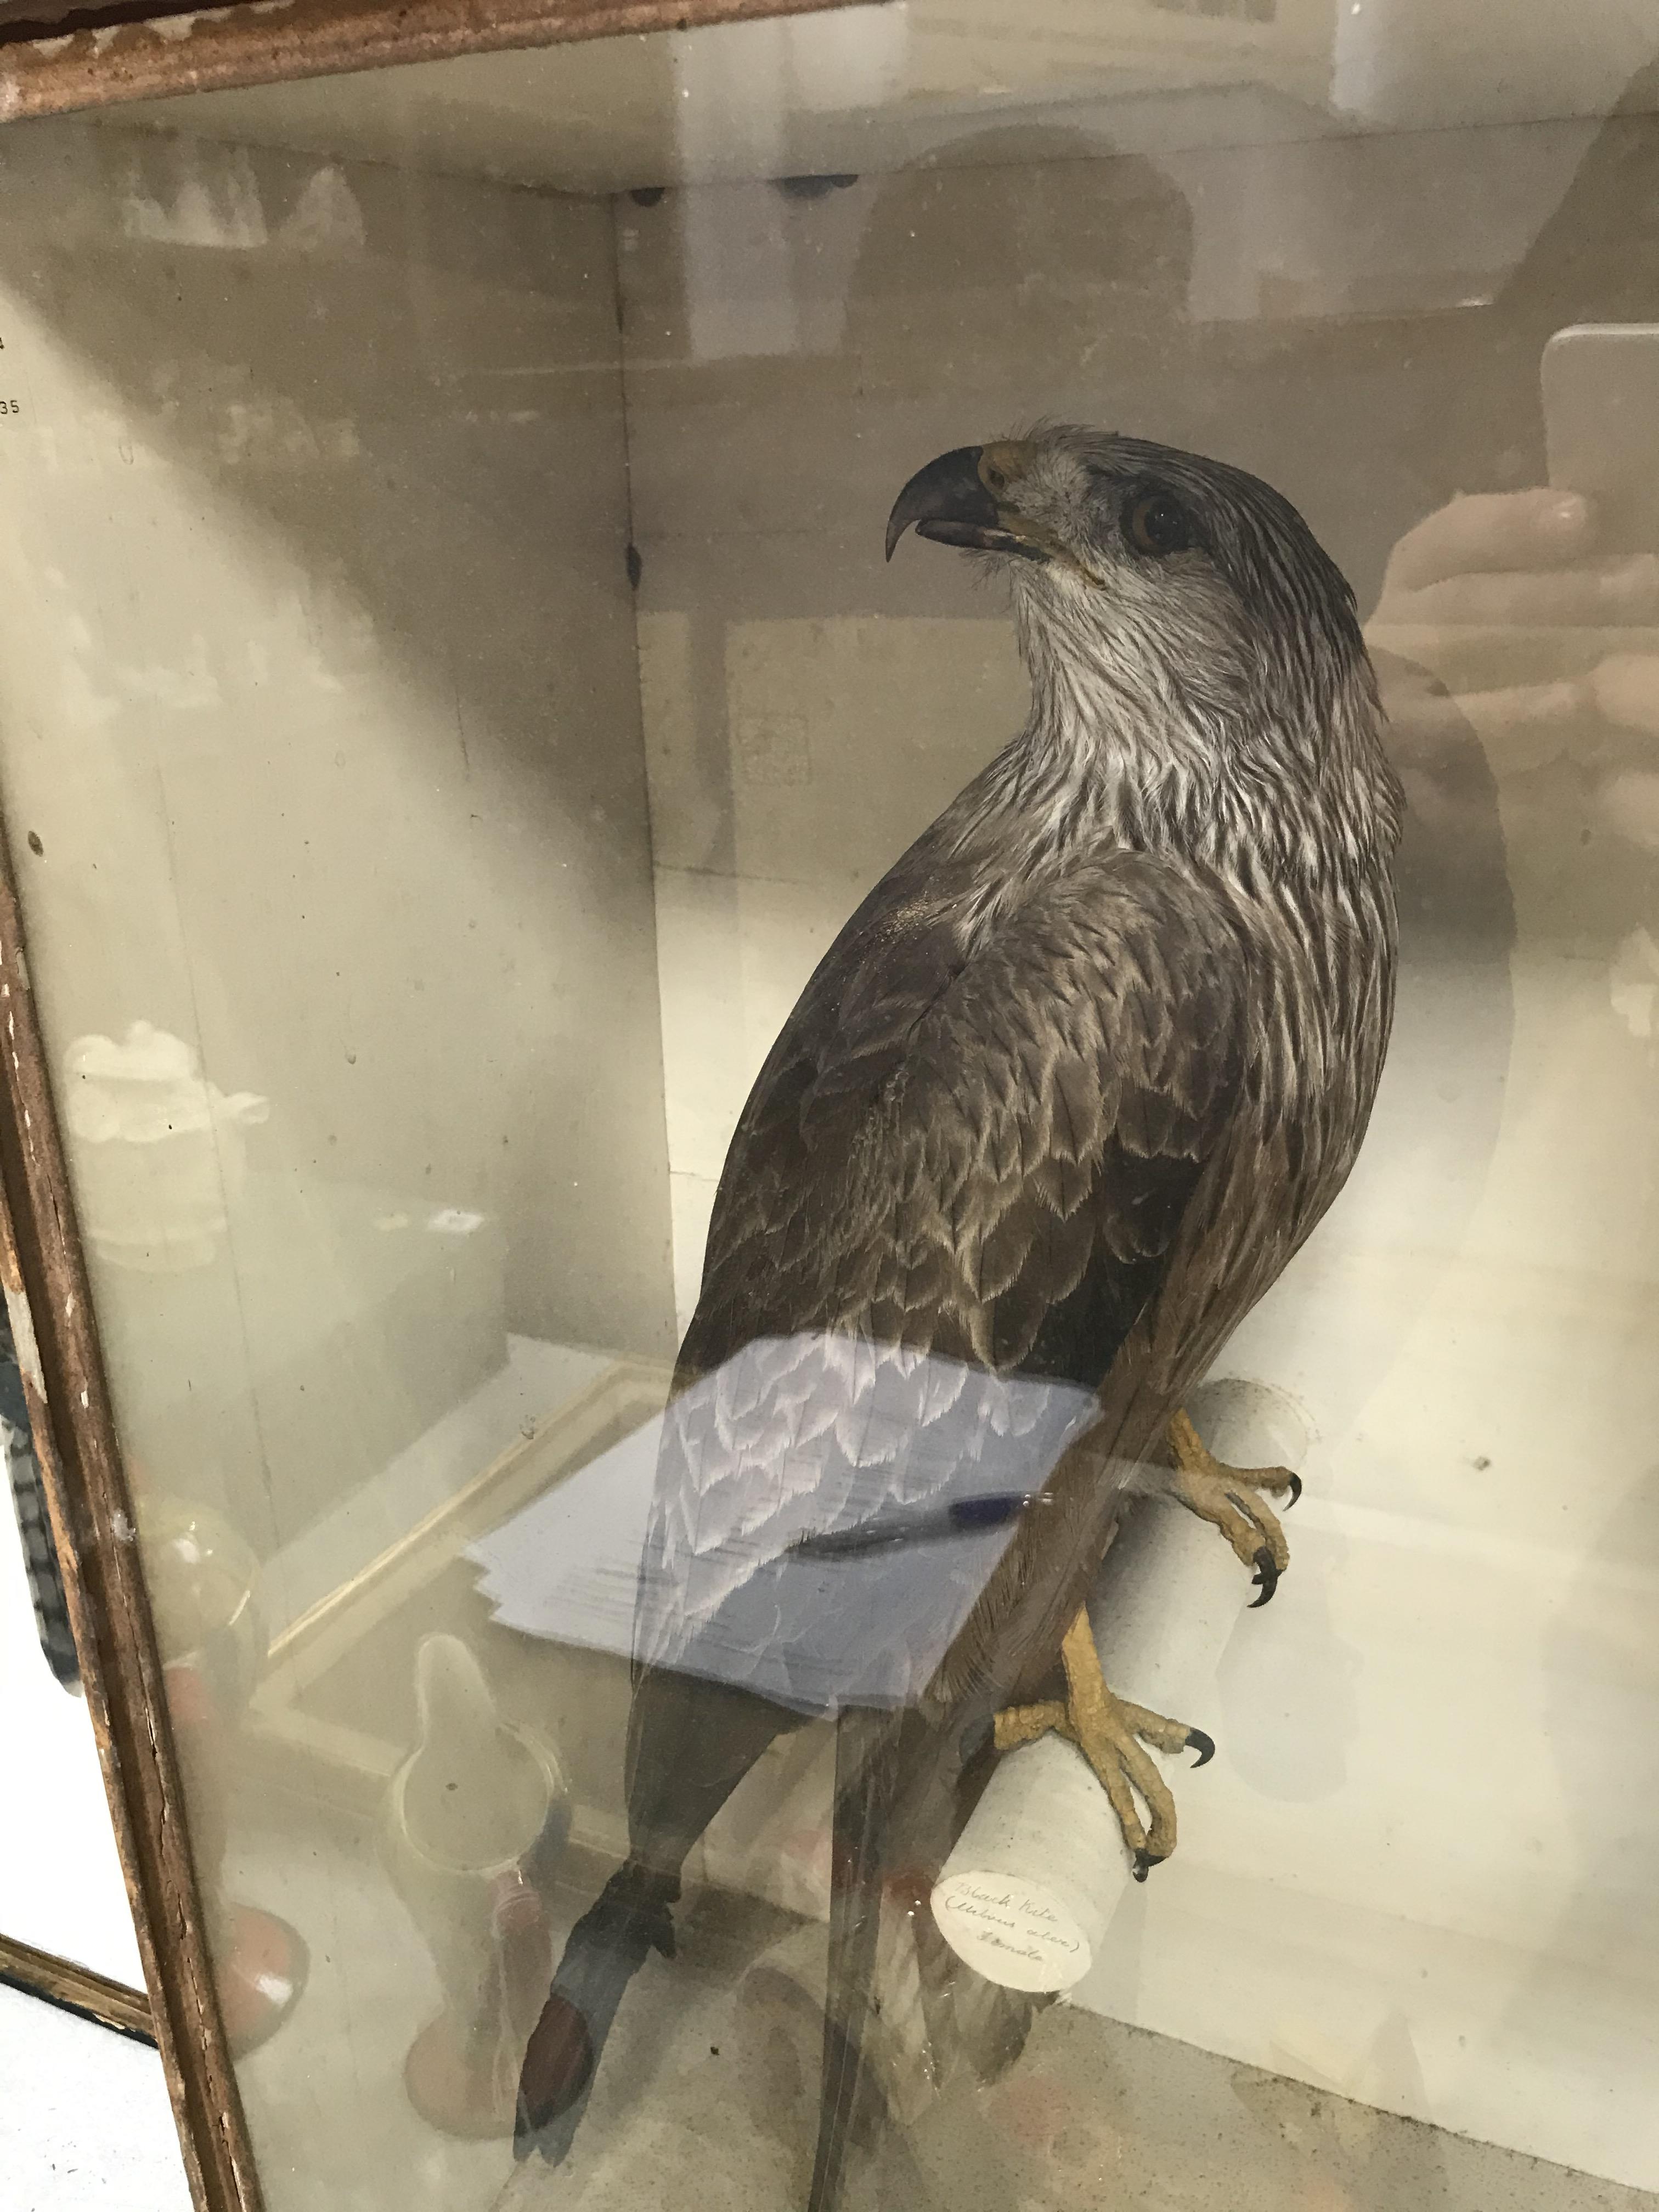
708, 2097
711, 2099
85, 2125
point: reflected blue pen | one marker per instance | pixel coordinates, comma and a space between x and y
963, 1517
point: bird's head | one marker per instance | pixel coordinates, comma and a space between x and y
1159, 592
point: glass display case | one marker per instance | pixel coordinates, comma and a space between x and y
503, 556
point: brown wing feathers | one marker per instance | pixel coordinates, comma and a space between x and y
982, 1153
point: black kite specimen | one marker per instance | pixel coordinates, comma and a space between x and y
1062, 1099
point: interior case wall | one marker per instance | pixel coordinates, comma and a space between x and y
320, 675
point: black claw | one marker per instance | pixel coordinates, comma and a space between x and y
1295, 1489
1145, 1860
1203, 1745
1265, 1577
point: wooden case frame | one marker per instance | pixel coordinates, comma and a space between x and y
57, 55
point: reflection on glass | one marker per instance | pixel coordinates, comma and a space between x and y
453, 698
42, 1569
473, 1831
204, 1579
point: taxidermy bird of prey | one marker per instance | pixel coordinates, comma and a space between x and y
1066, 1094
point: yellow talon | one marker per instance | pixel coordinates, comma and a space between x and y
1109, 1732
1230, 1498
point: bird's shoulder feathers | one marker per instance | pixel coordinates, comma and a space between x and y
977, 1133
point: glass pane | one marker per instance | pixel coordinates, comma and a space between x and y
640, 1576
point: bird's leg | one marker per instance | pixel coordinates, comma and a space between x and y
1231, 1498
1110, 1733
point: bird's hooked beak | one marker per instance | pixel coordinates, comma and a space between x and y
966, 498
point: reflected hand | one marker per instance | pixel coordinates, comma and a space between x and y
1505, 599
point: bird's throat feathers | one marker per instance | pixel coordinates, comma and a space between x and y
1268, 767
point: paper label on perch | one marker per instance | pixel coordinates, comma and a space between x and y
1015, 1933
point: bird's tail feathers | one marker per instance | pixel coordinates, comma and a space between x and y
852, 2106
905, 2020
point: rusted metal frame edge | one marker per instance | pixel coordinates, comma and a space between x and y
270, 41
77, 1989
44, 1279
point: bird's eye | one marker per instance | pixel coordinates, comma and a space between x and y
1157, 524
